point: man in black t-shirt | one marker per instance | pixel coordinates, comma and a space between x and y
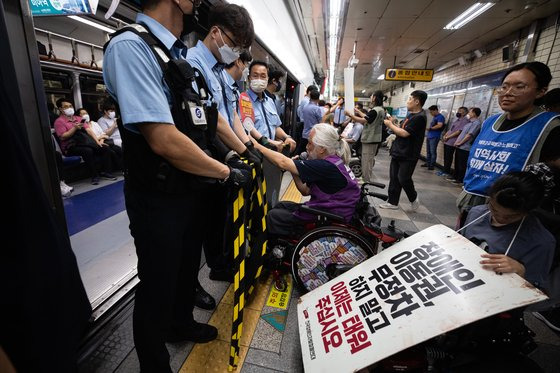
405, 151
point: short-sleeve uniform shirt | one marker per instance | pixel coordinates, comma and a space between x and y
134, 78
261, 107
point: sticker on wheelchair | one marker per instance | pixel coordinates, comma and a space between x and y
280, 299
322, 252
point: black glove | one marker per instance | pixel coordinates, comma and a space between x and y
253, 158
251, 147
267, 144
235, 162
239, 178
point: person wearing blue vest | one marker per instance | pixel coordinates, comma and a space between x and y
509, 141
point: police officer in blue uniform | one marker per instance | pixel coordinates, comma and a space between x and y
167, 133
230, 32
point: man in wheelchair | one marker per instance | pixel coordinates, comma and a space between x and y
324, 176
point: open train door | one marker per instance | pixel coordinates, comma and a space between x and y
44, 308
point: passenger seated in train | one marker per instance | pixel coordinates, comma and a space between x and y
105, 140
324, 176
108, 122
77, 138
516, 241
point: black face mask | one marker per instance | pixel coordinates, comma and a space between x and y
190, 21
278, 87
459, 115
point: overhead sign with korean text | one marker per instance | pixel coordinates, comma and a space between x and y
62, 7
426, 285
410, 75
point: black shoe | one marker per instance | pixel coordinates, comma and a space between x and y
94, 180
197, 333
203, 300
107, 175
424, 165
221, 275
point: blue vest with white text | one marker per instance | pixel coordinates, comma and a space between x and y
495, 153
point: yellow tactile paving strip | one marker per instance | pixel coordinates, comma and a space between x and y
214, 356
292, 193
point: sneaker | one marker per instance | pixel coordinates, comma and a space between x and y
196, 332
107, 175
65, 190
441, 173
424, 165
62, 183
415, 204
388, 206
457, 182
450, 178
551, 318
95, 180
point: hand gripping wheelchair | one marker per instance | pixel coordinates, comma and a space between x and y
330, 246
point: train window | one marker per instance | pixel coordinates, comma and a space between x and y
57, 85
93, 93
57, 81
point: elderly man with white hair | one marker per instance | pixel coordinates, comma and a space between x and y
324, 175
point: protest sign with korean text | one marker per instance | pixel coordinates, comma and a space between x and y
423, 286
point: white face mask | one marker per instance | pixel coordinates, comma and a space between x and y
258, 85
468, 116
68, 112
86, 117
112, 115
227, 54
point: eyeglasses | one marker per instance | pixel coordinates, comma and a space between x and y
235, 49
513, 89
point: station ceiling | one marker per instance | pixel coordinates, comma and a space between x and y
410, 33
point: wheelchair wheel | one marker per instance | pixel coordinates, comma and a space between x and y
356, 167
327, 252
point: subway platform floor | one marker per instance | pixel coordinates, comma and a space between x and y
270, 341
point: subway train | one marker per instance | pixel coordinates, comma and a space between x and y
456, 52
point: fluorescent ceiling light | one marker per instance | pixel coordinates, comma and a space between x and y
363, 91
92, 24
381, 77
468, 15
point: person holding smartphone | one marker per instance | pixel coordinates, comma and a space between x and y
66, 127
